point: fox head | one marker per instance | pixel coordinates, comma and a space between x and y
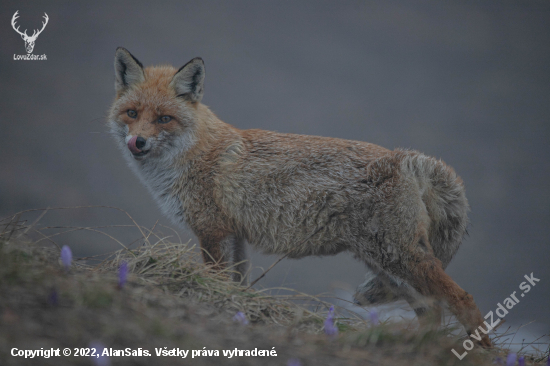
154, 112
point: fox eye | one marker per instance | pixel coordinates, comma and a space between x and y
165, 119
131, 113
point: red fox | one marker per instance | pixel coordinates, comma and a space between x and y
402, 213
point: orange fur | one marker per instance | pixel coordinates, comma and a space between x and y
402, 213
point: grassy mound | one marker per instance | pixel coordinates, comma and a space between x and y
171, 301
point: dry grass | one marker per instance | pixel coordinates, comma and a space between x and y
178, 269
171, 299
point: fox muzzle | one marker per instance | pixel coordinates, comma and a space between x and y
136, 145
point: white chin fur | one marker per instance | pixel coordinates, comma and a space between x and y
139, 158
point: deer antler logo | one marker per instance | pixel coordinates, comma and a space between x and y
29, 41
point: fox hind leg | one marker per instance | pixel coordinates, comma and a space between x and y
373, 291
382, 288
427, 310
426, 275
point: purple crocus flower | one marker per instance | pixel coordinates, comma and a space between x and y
498, 361
521, 361
293, 362
98, 359
330, 329
373, 315
511, 359
240, 318
122, 274
548, 361
66, 256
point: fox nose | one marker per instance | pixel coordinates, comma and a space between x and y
140, 142
136, 144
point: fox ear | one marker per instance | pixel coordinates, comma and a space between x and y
128, 70
189, 80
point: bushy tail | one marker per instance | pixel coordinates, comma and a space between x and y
442, 193
445, 199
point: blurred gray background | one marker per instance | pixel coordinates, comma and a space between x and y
464, 81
